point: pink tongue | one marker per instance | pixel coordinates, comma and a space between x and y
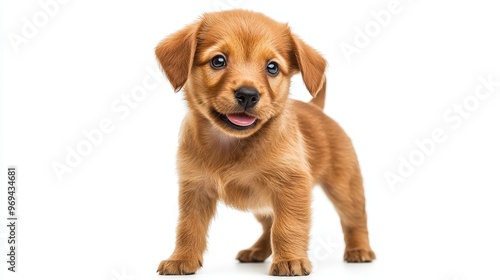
241, 119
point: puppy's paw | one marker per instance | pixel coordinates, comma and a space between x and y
178, 267
253, 255
358, 255
291, 268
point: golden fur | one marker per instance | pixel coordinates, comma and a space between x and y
270, 167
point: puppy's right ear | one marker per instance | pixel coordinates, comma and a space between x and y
176, 53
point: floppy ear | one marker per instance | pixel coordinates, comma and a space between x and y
311, 64
176, 53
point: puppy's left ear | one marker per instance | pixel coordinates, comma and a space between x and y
176, 53
311, 64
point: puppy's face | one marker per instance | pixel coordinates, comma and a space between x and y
236, 68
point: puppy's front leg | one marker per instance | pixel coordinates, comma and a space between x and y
290, 230
197, 205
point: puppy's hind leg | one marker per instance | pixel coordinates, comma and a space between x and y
345, 190
261, 250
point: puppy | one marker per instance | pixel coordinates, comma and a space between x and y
246, 143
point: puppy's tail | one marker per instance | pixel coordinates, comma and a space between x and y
319, 99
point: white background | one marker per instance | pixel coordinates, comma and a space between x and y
114, 215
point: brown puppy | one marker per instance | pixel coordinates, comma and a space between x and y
246, 143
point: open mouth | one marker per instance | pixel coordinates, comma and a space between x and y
238, 121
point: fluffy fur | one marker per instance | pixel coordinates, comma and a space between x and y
270, 167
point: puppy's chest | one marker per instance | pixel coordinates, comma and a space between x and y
243, 188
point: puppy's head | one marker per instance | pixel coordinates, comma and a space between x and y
236, 67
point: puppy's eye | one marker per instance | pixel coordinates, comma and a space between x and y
272, 68
218, 62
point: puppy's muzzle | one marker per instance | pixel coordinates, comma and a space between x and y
247, 97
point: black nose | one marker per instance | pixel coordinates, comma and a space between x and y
247, 96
